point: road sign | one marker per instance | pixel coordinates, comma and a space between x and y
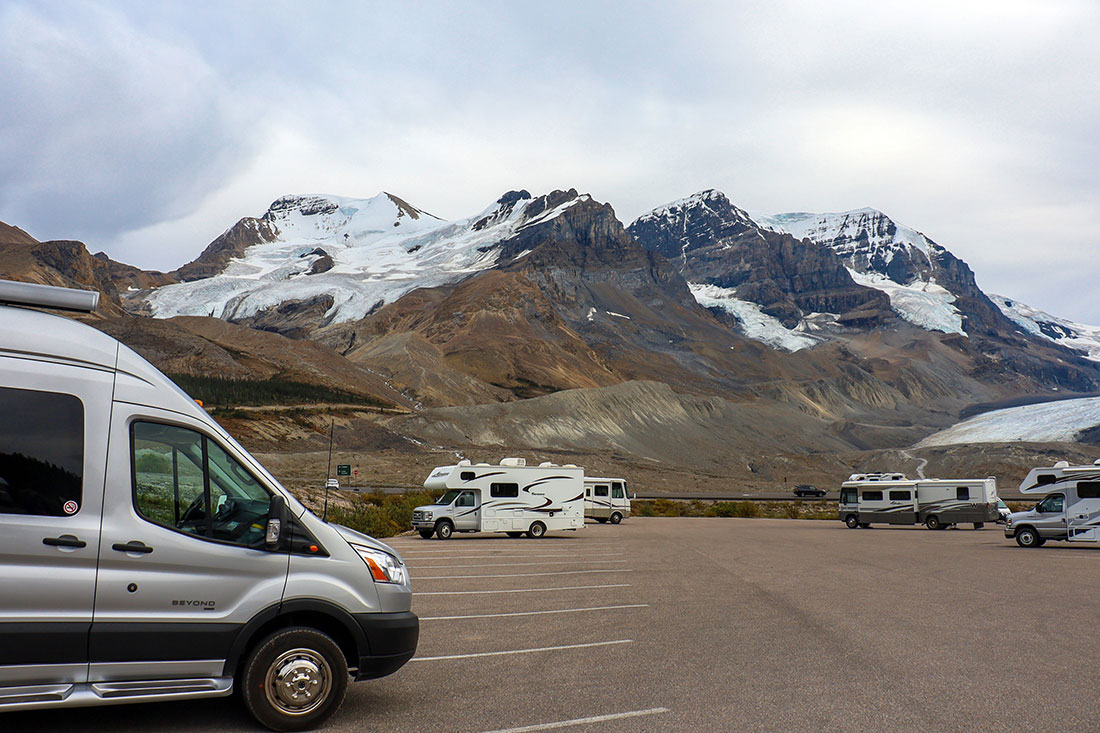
343, 469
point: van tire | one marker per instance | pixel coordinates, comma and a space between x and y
425, 534
537, 530
514, 535
933, 522
1028, 537
294, 651
851, 521
444, 529
616, 518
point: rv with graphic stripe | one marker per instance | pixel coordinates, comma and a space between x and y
1070, 509
891, 498
510, 497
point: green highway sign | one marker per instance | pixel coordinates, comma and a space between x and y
343, 469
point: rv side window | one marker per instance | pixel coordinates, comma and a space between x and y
618, 485
962, 493
41, 452
601, 491
187, 482
872, 496
504, 491
467, 475
1088, 489
900, 496
847, 496
1045, 478
588, 492
617, 492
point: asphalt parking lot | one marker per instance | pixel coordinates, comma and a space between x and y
720, 624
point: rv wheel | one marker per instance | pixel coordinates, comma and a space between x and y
932, 522
1027, 537
444, 530
616, 518
537, 530
426, 534
851, 521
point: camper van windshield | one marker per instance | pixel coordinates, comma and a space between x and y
447, 498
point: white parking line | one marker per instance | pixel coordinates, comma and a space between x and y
522, 575
534, 613
517, 590
582, 721
510, 553
522, 651
512, 564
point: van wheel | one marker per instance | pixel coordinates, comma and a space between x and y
514, 535
537, 530
616, 518
1028, 537
426, 534
294, 679
933, 522
851, 521
444, 529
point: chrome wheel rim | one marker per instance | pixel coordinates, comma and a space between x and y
298, 682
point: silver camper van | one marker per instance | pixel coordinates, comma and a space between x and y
146, 556
1069, 510
605, 499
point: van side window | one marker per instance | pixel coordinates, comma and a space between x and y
41, 452
505, 491
900, 496
962, 493
617, 492
872, 496
1088, 489
187, 482
601, 491
467, 475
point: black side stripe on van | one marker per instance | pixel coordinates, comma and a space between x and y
44, 642
160, 642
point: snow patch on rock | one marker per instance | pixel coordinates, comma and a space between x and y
1042, 423
924, 304
1077, 336
755, 324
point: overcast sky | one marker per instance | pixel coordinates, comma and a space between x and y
146, 129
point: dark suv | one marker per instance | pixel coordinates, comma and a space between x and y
807, 490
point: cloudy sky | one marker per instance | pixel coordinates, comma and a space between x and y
146, 129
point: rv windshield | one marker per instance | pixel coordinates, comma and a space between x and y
447, 498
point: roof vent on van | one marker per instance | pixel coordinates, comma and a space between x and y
481, 464
1062, 464
464, 462
48, 296
513, 462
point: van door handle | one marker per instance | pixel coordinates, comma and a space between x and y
132, 546
65, 540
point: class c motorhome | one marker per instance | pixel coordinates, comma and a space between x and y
605, 499
146, 556
1070, 509
891, 498
511, 497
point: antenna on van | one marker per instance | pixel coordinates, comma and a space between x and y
328, 471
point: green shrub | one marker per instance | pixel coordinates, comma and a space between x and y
378, 514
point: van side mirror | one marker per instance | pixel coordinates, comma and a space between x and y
276, 520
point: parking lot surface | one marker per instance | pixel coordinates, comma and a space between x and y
721, 624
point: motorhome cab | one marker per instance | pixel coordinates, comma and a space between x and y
605, 499
1070, 509
146, 556
891, 498
511, 497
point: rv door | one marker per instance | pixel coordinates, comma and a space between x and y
468, 511
1082, 515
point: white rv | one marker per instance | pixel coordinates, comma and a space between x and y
511, 497
605, 499
891, 498
1069, 511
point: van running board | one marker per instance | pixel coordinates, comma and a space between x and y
112, 693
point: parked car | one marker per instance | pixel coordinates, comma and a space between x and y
808, 490
1003, 510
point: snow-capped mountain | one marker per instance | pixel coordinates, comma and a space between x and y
361, 253
1076, 336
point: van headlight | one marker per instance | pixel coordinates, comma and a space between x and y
384, 567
